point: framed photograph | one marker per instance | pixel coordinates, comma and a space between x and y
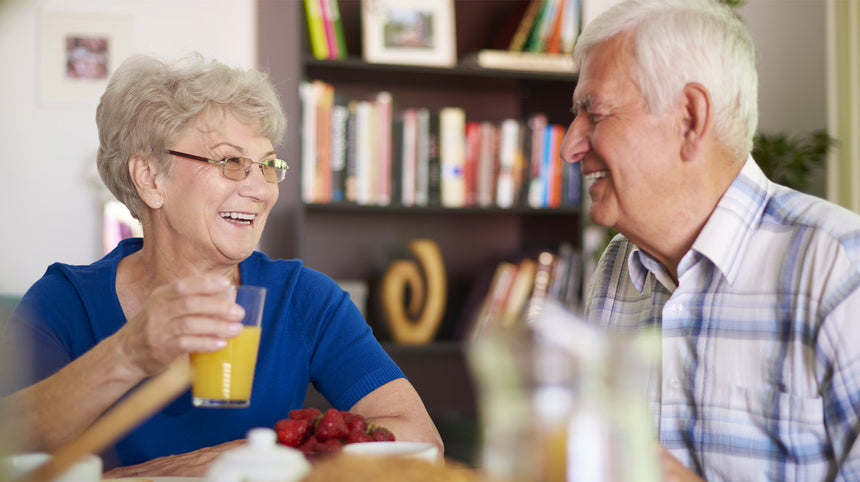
79, 52
416, 32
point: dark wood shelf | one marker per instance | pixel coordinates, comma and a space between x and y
341, 207
465, 68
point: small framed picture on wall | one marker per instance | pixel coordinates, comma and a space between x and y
415, 32
79, 51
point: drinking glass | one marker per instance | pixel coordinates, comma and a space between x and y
224, 378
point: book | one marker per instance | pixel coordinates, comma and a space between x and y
316, 29
339, 120
409, 156
543, 275
422, 157
570, 25
364, 156
350, 182
525, 27
493, 305
487, 164
504, 34
452, 157
553, 43
537, 128
337, 20
382, 141
519, 292
543, 27
322, 177
531, 61
308, 101
470, 165
507, 156
328, 28
434, 162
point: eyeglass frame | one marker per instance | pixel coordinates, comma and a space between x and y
223, 164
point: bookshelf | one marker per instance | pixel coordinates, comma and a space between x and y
358, 242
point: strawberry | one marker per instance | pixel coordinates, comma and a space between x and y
309, 413
331, 425
357, 437
292, 432
355, 422
381, 434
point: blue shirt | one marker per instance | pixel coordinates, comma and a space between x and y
760, 370
312, 332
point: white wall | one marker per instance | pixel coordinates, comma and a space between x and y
51, 209
48, 182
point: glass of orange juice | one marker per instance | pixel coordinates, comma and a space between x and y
224, 378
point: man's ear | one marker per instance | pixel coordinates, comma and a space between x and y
146, 179
696, 119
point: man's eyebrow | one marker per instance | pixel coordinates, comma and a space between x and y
584, 103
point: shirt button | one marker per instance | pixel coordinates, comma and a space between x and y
677, 308
675, 383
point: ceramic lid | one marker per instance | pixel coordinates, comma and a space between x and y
262, 459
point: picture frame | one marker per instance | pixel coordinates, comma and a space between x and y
78, 53
409, 32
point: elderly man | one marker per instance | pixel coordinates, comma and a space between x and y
754, 286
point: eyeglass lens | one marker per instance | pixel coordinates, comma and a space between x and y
237, 168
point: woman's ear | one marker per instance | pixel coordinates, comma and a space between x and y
146, 179
696, 121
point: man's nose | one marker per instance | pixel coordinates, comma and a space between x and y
575, 144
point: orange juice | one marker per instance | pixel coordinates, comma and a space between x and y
227, 374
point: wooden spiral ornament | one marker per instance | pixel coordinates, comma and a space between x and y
419, 322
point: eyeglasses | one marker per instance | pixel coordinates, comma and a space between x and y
237, 168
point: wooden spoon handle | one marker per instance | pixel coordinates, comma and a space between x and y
143, 402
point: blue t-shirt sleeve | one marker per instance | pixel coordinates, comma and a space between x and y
41, 333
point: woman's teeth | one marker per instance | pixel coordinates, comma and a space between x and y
240, 218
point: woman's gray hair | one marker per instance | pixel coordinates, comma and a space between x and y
148, 104
677, 42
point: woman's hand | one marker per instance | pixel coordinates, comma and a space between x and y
191, 464
188, 315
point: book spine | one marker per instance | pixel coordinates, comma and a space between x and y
487, 165
537, 128
323, 176
364, 155
507, 155
316, 30
309, 155
434, 161
383, 148
350, 183
337, 21
339, 119
328, 28
522, 32
422, 157
409, 157
472, 159
452, 125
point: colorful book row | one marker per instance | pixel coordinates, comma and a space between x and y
518, 289
361, 151
325, 29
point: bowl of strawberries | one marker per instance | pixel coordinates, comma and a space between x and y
317, 433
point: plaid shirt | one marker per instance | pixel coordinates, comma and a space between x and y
760, 339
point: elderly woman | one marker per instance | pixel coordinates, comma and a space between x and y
189, 148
